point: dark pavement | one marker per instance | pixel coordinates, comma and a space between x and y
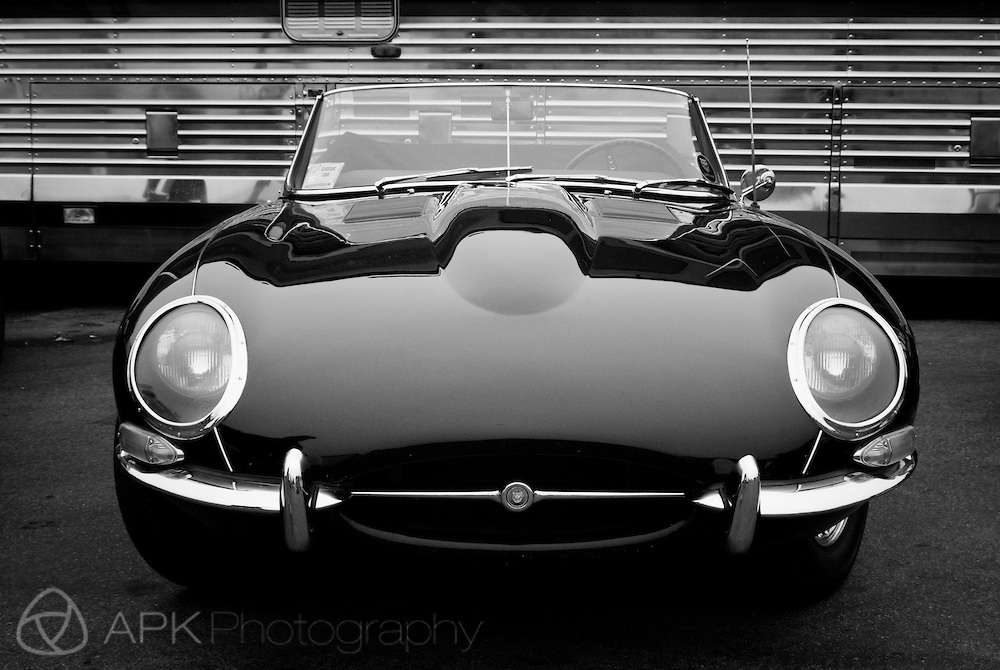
924, 593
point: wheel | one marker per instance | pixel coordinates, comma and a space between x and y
815, 567
608, 146
187, 552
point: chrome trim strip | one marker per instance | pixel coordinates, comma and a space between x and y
321, 497
496, 495
597, 495
712, 499
292, 502
812, 452
296, 169
222, 449
443, 495
491, 546
745, 508
568, 67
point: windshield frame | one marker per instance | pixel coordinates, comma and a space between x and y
300, 161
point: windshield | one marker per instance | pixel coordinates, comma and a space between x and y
392, 135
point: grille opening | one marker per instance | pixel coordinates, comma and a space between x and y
543, 466
546, 522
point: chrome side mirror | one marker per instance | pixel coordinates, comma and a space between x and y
758, 184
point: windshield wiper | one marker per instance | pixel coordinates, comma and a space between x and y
683, 183
632, 187
497, 172
601, 179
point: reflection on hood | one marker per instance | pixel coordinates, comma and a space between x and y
726, 247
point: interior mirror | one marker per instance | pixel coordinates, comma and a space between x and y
520, 110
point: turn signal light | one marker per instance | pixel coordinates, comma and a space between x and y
887, 449
147, 447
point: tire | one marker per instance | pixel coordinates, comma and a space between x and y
3, 317
3, 324
187, 552
815, 567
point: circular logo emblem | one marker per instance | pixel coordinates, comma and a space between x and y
706, 168
517, 496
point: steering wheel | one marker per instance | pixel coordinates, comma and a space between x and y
608, 146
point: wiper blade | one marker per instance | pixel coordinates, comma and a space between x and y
601, 179
634, 187
500, 172
683, 183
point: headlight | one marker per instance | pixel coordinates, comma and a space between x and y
187, 366
847, 367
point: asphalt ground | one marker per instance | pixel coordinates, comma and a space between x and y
924, 592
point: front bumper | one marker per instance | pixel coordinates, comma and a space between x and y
740, 507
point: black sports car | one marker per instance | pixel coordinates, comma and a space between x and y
510, 317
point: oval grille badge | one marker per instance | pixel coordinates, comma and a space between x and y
517, 496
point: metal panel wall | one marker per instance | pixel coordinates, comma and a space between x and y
15, 141
866, 121
89, 141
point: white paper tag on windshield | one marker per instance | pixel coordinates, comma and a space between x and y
322, 175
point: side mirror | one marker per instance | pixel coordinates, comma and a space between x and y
757, 185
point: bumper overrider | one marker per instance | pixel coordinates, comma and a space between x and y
156, 463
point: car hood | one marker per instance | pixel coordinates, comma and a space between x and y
495, 313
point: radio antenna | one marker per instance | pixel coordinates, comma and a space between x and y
507, 106
753, 154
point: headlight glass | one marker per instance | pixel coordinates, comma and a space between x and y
847, 367
188, 365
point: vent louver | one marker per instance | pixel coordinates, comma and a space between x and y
345, 21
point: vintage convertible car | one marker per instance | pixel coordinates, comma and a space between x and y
510, 317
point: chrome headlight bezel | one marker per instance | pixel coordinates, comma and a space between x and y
234, 386
843, 430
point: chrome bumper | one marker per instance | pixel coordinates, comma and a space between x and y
789, 499
751, 501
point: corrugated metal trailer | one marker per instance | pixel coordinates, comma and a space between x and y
123, 135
